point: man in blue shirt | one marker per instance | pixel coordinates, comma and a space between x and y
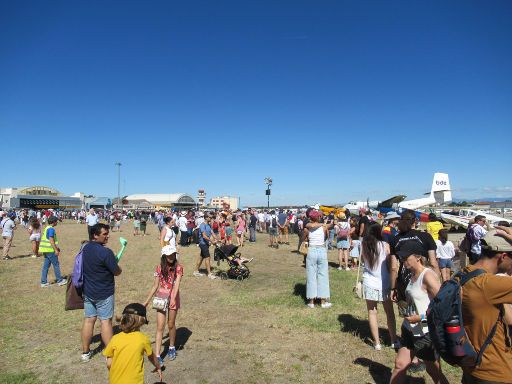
282, 223
205, 236
99, 268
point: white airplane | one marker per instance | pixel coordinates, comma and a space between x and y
463, 216
440, 193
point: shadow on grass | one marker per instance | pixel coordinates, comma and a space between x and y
361, 328
182, 336
381, 373
300, 290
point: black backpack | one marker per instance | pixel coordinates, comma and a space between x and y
274, 222
446, 326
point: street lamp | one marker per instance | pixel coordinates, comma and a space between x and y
118, 183
268, 181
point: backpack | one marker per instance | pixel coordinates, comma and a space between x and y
446, 326
274, 222
77, 277
342, 233
468, 240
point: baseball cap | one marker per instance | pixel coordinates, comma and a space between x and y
314, 214
409, 248
492, 242
391, 216
135, 309
168, 250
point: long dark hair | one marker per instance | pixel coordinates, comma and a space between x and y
166, 267
371, 245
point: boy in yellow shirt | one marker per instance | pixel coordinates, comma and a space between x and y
125, 351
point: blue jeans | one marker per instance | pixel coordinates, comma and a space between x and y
252, 234
103, 309
50, 258
317, 274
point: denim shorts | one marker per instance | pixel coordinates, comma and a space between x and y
342, 244
103, 309
445, 263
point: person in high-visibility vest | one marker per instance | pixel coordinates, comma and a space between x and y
50, 249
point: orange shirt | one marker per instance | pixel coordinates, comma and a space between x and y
482, 297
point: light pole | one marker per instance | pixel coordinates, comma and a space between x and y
268, 181
118, 183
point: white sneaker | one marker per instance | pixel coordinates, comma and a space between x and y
311, 305
347, 269
86, 356
198, 274
378, 347
326, 305
339, 269
212, 276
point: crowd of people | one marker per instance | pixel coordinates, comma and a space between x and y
401, 265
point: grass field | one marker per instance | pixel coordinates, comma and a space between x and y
255, 331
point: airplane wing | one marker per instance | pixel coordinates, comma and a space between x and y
455, 220
393, 200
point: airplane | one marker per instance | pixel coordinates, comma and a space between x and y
463, 216
439, 193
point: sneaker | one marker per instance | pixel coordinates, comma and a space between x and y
418, 367
160, 361
62, 282
326, 305
396, 345
347, 269
311, 305
198, 274
86, 356
212, 276
377, 347
7, 258
33, 256
339, 269
45, 285
171, 355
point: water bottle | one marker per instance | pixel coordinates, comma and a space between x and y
454, 334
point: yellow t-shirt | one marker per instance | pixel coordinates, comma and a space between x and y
433, 227
127, 353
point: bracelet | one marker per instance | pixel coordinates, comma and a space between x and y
422, 318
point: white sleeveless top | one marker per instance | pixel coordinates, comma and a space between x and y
419, 301
378, 277
170, 237
316, 237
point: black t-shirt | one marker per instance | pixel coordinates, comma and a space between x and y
99, 265
366, 221
404, 275
254, 220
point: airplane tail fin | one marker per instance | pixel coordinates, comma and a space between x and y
441, 190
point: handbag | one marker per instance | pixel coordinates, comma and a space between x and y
358, 288
161, 299
303, 249
74, 299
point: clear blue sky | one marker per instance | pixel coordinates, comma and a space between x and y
335, 100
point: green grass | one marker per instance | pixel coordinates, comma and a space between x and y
19, 378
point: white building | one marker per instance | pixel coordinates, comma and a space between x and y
37, 197
161, 200
220, 202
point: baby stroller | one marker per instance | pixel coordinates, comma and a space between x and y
236, 270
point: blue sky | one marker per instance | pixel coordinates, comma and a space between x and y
335, 100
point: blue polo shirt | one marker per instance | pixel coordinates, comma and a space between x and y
207, 230
99, 265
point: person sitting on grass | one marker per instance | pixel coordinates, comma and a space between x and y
125, 351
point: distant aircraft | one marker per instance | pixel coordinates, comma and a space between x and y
439, 193
463, 216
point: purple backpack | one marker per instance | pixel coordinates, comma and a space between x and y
77, 276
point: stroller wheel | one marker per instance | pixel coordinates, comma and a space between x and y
223, 276
240, 277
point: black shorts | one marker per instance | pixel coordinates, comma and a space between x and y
422, 345
205, 250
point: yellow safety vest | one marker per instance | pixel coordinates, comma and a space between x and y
45, 246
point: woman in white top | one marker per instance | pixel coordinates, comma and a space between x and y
317, 271
34, 231
445, 252
377, 283
422, 288
168, 236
